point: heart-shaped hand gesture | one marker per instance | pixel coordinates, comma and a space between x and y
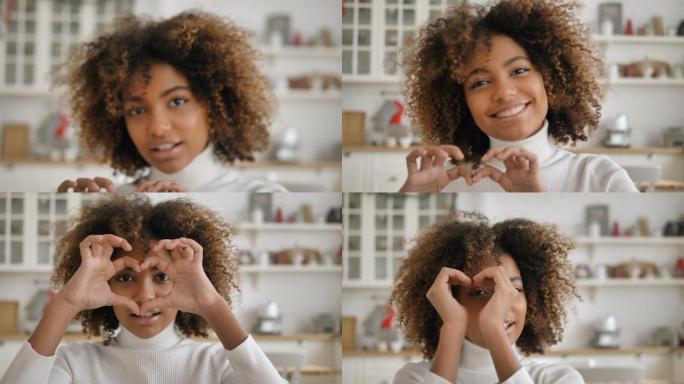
522, 170
504, 293
431, 176
160, 186
88, 288
441, 297
181, 260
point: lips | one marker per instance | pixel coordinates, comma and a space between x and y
511, 111
165, 146
145, 318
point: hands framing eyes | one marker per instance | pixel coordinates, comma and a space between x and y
451, 311
86, 185
521, 174
160, 186
180, 259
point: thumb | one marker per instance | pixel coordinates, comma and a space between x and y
156, 303
125, 301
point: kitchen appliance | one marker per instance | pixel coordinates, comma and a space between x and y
270, 320
674, 137
607, 333
619, 135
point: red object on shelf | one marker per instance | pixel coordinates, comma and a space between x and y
679, 268
278, 215
616, 229
629, 30
389, 317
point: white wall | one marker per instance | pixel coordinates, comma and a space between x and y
639, 309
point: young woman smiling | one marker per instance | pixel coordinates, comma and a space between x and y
495, 89
488, 289
169, 102
155, 273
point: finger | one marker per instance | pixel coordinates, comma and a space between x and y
96, 249
107, 249
87, 185
157, 303
453, 151
125, 301
411, 159
179, 188
197, 250
487, 171
497, 274
440, 158
66, 184
105, 183
144, 185
155, 261
115, 241
491, 153
84, 247
460, 171
453, 276
533, 162
126, 262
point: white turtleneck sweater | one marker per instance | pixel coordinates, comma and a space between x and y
560, 170
205, 173
476, 367
165, 358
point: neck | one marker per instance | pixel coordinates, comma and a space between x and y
167, 338
204, 168
476, 358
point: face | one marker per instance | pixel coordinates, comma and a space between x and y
475, 298
142, 287
167, 124
504, 92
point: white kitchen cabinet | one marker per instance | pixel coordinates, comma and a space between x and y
29, 224
377, 228
371, 171
376, 370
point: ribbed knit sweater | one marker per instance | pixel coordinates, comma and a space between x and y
165, 358
560, 170
476, 367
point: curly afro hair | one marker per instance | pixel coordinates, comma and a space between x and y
540, 252
558, 46
215, 56
136, 219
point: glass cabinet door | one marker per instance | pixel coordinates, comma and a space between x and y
51, 224
357, 19
12, 229
352, 261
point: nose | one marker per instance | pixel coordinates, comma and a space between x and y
159, 122
505, 90
146, 291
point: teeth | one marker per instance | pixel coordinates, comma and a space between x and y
146, 314
165, 147
511, 111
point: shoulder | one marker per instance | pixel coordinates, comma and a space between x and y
595, 172
412, 373
556, 373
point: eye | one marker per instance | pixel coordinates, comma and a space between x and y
123, 278
178, 101
478, 292
519, 71
520, 290
162, 277
478, 83
136, 111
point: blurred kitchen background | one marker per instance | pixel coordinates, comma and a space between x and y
290, 267
300, 45
642, 124
629, 266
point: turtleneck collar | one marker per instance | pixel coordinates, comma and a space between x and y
203, 169
163, 340
538, 143
476, 358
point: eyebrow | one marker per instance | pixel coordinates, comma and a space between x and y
505, 64
516, 278
163, 94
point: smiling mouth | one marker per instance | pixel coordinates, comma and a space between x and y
165, 147
511, 112
146, 315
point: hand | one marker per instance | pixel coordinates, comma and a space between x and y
432, 177
160, 186
181, 260
522, 170
89, 288
493, 314
441, 297
86, 185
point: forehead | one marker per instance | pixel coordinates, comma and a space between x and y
139, 252
507, 262
494, 50
157, 77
